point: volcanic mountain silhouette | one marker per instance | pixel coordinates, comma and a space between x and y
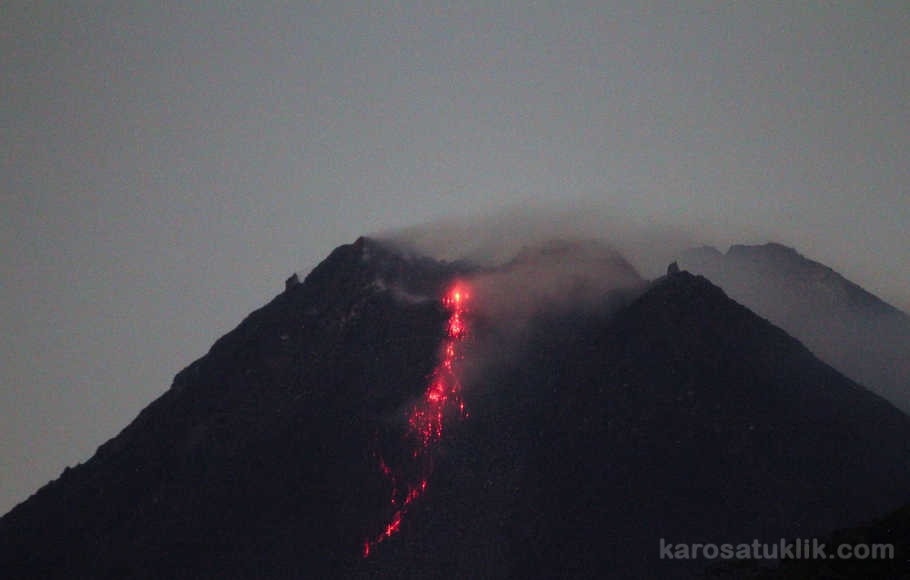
670, 412
846, 326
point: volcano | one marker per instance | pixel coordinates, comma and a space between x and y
374, 421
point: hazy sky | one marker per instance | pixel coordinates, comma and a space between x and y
167, 165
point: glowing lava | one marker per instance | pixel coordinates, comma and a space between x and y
440, 401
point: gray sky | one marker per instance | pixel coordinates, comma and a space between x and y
165, 168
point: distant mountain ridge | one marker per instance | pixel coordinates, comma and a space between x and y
850, 328
672, 412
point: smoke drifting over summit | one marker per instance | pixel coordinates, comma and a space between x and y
495, 239
531, 262
528, 262
648, 241
553, 275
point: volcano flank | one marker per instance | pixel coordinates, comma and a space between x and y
374, 421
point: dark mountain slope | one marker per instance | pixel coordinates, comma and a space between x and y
851, 329
257, 461
674, 413
684, 416
716, 426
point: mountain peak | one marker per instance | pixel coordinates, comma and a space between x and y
847, 326
768, 249
585, 438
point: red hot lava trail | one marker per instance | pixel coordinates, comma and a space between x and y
441, 400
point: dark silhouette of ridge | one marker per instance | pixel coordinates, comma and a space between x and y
256, 462
862, 336
672, 413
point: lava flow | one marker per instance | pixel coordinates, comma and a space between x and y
441, 400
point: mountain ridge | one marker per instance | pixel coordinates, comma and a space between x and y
608, 426
863, 336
